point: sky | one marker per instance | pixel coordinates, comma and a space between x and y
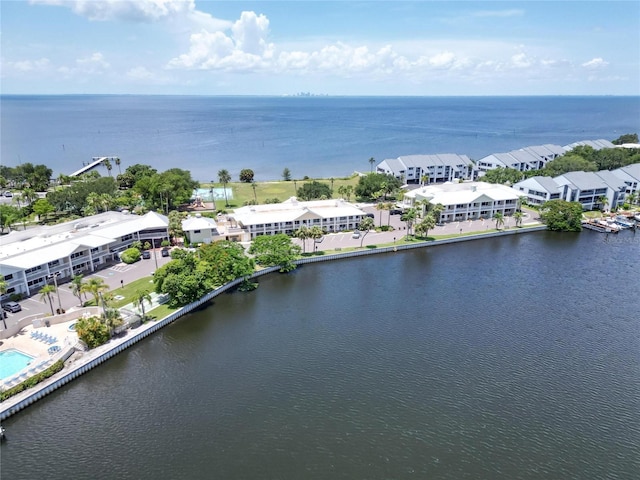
427, 48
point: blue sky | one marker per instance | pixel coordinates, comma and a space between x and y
323, 47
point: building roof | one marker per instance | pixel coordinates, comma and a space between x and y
595, 144
632, 171
426, 161
198, 222
292, 210
454, 193
36, 246
581, 180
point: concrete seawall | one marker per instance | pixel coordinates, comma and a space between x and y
101, 354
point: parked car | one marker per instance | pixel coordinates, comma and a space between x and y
8, 194
12, 307
165, 252
356, 234
146, 254
395, 211
370, 215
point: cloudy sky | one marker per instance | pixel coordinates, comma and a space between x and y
323, 47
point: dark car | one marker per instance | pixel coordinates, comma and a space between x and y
395, 211
12, 307
165, 252
146, 254
370, 215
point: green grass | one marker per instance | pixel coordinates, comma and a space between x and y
130, 290
160, 312
243, 192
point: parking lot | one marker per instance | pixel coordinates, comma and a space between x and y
115, 275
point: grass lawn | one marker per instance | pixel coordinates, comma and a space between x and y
131, 289
243, 192
160, 312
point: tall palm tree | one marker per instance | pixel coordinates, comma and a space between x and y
424, 179
499, 218
372, 161
76, 287
224, 178
303, 233
3, 290
106, 201
603, 201
95, 286
316, 233
117, 160
425, 225
255, 197
366, 225
107, 165
518, 216
409, 217
141, 297
380, 206
45, 295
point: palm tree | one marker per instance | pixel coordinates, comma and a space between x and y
316, 233
107, 165
141, 297
425, 225
93, 202
499, 218
366, 224
303, 233
45, 294
76, 287
632, 197
372, 161
518, 216
95, 286
603, 201
117, 160
224, 178
409, 217
424, 179
29, 195
3, 290
105, 201
380, 206
255, 197
349, 191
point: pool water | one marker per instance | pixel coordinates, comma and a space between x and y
11, 362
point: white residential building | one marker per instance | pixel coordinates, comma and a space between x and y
290, 215
466, 201
539, 189
29, 257
630, 175
589, 188
528, 158
440, 168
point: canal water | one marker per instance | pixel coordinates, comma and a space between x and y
506, 358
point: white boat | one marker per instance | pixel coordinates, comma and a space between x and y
624, 222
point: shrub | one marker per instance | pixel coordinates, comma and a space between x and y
92, 331
32, 381
165, 243
130, 255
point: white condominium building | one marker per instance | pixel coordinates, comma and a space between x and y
290, 215
466, 201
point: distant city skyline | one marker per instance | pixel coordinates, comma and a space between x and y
187, 47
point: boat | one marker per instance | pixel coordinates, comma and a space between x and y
637, 217
624, 222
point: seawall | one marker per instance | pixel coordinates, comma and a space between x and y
103, 353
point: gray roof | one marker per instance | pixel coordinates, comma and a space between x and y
548, 183
393, 164
632, 171
582, 180
426, 161
527, 154
595, 144
547, 150
611, 180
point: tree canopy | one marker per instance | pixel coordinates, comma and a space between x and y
73, 198
166, 190
272, 250
314, 190
375, 184
36, 177
560, 215
502, 175
246, 175
626, 138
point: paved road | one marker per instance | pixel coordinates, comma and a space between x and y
115, 276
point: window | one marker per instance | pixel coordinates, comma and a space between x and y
34, 269
8, 277
196, 231
77, 254
95, 250
54, 263
127, 237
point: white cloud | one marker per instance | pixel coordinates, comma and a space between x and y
595, 63
23, 66
146, 11
94, 64
520, 60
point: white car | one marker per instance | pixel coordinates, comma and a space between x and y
356, 234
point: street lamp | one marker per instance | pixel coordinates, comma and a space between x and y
55, 282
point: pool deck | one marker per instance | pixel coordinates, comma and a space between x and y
35, 348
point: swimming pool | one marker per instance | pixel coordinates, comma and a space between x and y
11, 362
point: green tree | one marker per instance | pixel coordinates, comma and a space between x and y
77, 287
166, 190
314, 190
9, 215
499, 218
369, 185
175, 224
286, 175
45, 295
518, 216
366, 225
502, 175
255, 197
73, 199
42, 208
275, 250
224, 177
372, 162
303, 234
225, 261
626, 138
426, 224
409, 217
316, 233
569, 162
142, 296
92, 331
603, 201
95, 286
246, 175
107, 165
560, 215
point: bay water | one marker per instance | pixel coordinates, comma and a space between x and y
315, 136
506, 358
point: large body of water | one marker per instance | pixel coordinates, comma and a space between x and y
507, 358
315, 137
